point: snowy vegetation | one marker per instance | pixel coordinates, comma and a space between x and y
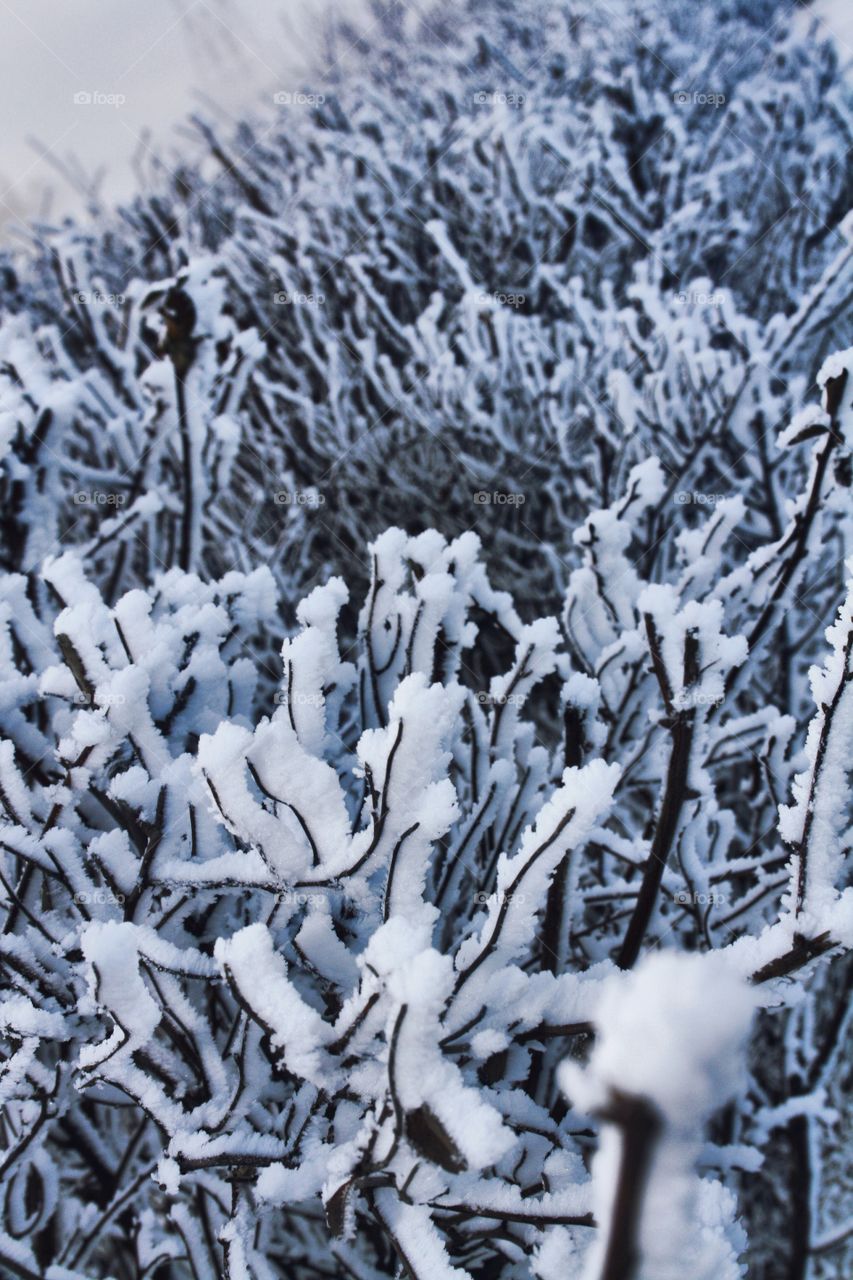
426, 674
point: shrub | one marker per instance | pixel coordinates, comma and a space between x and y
414, 292
290, 976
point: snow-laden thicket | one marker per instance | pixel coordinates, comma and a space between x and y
293, 977
484, 913
512, 252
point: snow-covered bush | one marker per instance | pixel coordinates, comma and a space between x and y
292, 958
466, 288
304, 908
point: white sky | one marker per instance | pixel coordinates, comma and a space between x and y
158, 54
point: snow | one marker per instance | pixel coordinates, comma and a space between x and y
556, 1256
110, 949
672, 1032
259, 973
564, 822
420, 1242
420, 682
21, 1017
423, 1076
815, 823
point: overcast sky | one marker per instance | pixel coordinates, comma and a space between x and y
149, 59
152, 57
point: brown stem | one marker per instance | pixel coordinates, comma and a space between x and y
185, 553
681, 727
802, 951
803, 522
641, 1126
